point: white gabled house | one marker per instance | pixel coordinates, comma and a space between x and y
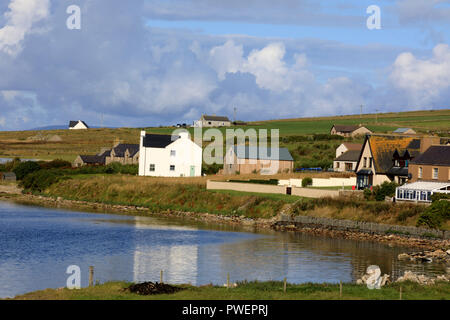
76, 125
169, 156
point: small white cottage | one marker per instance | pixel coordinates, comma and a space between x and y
76, 125
169, 156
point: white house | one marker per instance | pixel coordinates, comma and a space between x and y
169, 156
212, 121
347, 156
76, 125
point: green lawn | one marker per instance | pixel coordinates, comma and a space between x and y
273, 196
271, 290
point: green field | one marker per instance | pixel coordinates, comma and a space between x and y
271, 290
311, 153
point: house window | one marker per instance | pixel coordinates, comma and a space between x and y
435, 173
365, 162
173, 153
370, 162
172, 168
152, 167
337, 165
420, 173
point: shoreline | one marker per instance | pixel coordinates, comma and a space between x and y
248, 224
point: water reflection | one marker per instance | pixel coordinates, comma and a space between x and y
37, 245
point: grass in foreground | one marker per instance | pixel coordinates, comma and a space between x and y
270, 290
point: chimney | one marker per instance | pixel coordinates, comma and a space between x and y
428, 142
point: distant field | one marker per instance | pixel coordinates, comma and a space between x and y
74, 142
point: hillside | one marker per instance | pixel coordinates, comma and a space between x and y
66, 144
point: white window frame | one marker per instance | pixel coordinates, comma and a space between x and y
173, 153
170, 168
152, 165
435, 173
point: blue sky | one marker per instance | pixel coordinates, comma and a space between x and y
157, 62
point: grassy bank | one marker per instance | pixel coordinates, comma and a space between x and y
272, 290
162, 194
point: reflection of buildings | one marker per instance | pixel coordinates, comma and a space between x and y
179, 262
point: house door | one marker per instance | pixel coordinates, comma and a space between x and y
192, 171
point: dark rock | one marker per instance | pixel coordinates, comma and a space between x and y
148, 288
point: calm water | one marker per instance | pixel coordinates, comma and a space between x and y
38, 244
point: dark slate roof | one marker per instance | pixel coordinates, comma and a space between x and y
345, 128
384, 147
397, 171
93, 159
402, 130
247, 152
120, 149
74, 123
434, 155
351, 155
158, 140
215, 118
365, 172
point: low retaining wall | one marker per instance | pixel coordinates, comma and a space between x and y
245, 187
320, 182
265, 188
359, 226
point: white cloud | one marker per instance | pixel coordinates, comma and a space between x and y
425, 81
20, 18
267, 65
226, 58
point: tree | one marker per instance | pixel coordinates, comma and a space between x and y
25, 168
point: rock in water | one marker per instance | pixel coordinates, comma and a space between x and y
373, 278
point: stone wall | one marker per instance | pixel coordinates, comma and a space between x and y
359, 226
265, 188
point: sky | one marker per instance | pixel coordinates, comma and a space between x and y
143, 63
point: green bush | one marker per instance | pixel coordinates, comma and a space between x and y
25, 168
41, 180
367, 194
211, 168
306, 182
438, 196
436, 214
386, 189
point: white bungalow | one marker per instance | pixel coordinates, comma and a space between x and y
169, 156
76, 125
420, 191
